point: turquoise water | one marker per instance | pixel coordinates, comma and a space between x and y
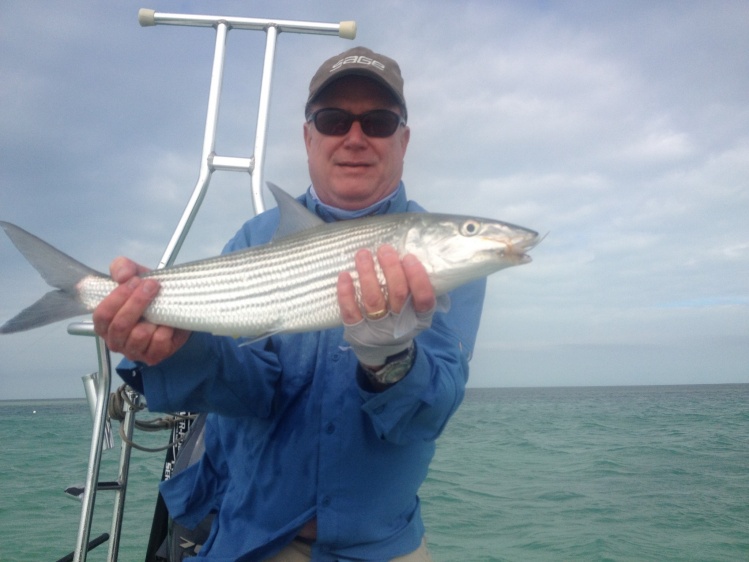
624, 473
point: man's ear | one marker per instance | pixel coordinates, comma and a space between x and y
307, 132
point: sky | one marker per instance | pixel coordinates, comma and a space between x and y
620, 128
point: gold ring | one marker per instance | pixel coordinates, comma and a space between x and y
376, 315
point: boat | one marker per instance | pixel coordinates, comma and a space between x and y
185, 443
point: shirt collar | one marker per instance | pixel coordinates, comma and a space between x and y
394, 203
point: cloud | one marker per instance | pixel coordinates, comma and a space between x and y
621, 129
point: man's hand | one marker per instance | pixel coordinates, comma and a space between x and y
370, 325
119, 317
403, 278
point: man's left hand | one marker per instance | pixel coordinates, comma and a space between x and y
403, 278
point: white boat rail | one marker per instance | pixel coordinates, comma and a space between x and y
210, 162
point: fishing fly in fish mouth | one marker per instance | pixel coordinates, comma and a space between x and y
358, 311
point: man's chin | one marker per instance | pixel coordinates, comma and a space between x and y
355, 195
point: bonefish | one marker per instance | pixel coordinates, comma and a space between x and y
287, 285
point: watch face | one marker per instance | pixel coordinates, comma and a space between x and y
395, 369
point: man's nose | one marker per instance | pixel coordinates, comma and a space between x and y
355, 134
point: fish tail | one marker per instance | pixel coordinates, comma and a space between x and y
59, 270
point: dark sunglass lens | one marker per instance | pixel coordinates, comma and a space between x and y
379, 123
333, 121
337, 122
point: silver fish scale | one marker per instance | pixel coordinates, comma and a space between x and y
289, 285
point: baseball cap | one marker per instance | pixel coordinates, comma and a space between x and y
359, 61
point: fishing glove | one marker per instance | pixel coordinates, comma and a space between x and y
373, 341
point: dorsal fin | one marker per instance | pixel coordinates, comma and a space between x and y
295, 217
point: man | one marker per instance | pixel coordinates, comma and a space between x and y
317, 443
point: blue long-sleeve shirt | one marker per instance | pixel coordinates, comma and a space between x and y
295, 433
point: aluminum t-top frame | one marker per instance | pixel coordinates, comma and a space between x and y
210, 162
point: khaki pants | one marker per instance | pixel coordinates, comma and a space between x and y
298, 551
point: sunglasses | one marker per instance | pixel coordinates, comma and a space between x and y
379, 123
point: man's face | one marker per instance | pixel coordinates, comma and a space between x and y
354, 171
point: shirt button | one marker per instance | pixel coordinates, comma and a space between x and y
330, 428
325, 501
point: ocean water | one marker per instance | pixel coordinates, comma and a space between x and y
606, 473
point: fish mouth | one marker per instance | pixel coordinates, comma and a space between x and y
532, 242
518, 248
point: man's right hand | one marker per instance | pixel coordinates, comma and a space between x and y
119, 317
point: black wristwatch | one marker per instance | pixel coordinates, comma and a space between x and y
395, 368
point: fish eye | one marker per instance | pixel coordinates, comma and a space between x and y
470, 228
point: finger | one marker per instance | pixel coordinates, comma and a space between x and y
122, 269
395, 277
138, 341
350, 313
131, 311
372, 299
422, 292
163, 342
108, 308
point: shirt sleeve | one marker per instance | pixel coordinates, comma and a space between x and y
418, 406
214, 373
